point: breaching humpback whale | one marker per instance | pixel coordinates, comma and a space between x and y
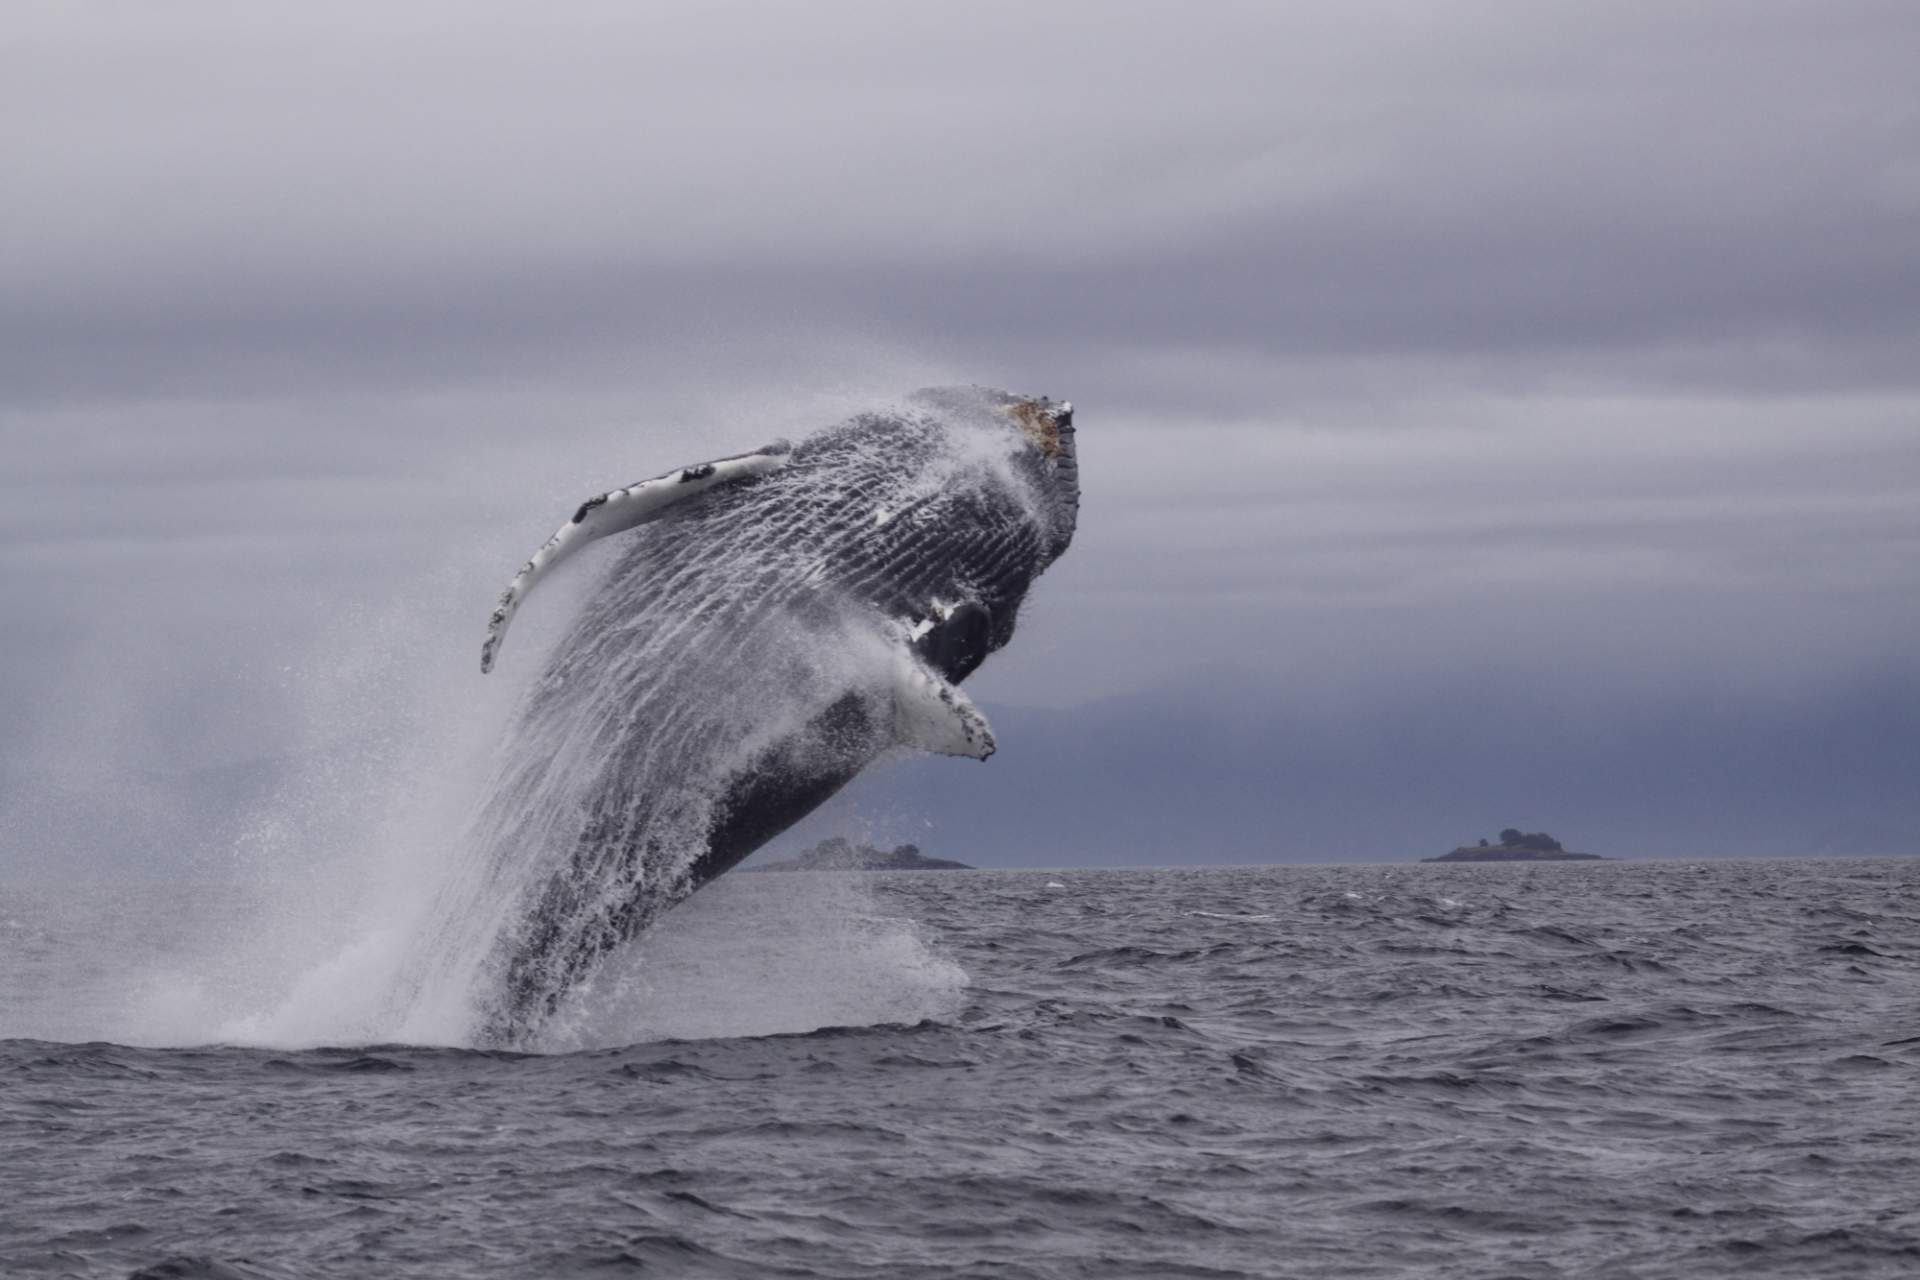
777, 621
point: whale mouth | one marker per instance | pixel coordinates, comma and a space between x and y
1049, 425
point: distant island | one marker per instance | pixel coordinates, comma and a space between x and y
838, 854
1516, 846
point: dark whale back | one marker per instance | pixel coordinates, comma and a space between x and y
734, 670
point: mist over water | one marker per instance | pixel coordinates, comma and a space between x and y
339, 920
363, 898
178, 965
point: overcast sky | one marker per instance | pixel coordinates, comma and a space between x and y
1554, 365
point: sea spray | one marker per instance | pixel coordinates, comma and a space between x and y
749, 646
754, 955
424, 818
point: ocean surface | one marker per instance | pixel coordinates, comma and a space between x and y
1572, 1070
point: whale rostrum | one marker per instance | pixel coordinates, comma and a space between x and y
775, 622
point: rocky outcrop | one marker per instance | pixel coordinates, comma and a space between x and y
838, 854
1503, 853
1516, 846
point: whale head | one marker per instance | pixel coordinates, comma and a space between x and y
1044, 451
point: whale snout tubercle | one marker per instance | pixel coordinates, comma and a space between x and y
1043, 420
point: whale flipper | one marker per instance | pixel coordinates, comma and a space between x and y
748, 657
933, 715
616, 511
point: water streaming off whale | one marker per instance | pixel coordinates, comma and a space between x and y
744, 656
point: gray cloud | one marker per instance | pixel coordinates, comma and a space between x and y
443, 192
1569, 350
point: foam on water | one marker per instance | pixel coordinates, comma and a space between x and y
1603, 1069
754, 955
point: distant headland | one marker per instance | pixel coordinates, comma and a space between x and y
838, 854
1516, 846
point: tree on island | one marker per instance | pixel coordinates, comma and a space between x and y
1515, 846
837, 853
1539, 841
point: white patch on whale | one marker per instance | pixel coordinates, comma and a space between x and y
933, 715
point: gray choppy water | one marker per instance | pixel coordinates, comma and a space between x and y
1627, 1070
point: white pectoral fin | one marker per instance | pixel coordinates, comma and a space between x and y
617, 511
933, 715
